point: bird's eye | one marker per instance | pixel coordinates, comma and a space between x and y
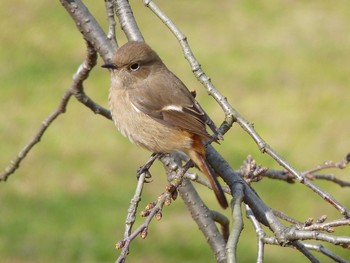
134, 66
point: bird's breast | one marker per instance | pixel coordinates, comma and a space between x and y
143, 130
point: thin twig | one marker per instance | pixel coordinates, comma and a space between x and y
301, 248
141, 230
329, 177
200, 180
279, 175
111, 23
326, 252
223, 221
330, 164
315, 247
76, 89
131, 216
286, 217
328, 226
14, 164
260, 233
237, 224
310, 174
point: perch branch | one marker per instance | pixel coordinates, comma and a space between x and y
131, 217
175, 175
199, 211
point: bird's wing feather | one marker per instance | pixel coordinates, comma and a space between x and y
170, 104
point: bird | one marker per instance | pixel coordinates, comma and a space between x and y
154, 109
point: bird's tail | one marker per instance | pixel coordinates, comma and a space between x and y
198, 157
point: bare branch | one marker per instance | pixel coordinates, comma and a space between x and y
328, 226
232, 115
75, 89
258, 212
199, 211
14, 164
111, 23
310, 174
200, 180
224, 223
331, 178
262, 212
196, 67
279, 175
316, 235
326, 252
301, 247
131, 217
330, 164
286, 217
237, 224
82, 74
89, 28
142, 229
315, 247
260, 233
127, 20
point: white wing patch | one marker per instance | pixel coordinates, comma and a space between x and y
135, 108
172, 107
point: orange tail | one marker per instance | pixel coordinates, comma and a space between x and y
199, 159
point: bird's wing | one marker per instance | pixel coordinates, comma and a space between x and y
170, 103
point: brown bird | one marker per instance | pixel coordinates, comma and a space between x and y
155, 110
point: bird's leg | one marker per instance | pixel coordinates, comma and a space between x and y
145, 168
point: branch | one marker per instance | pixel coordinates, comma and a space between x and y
262, 212
232, 115
315, 247
330, 164
326, 252
327, 226
195, 66
199, 211
260, 233
237, 225
75, 89
111, 22
310, 174
130, 220
89, 28
301, 248
203, 216
14, 164
127, 20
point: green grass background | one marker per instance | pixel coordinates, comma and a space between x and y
284, 65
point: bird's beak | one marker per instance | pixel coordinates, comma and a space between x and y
110, 66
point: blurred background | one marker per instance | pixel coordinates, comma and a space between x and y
284, 65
